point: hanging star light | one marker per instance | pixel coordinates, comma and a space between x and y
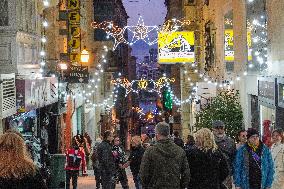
139, 31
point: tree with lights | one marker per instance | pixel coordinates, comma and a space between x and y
225, 107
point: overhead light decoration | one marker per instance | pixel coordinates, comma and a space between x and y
163, 81
139, 31
143, 84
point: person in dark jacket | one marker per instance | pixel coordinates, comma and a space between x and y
190, 143
135, 159
177, 140
227, 145
96, 165
208, 166
164, 165
17, 170
120, 160
106, 161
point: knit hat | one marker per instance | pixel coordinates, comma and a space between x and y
251, 132
218, 123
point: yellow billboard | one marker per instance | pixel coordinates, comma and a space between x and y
229, 45
176, 47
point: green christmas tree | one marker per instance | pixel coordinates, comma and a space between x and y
225, 107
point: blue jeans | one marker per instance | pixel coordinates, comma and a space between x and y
137, 181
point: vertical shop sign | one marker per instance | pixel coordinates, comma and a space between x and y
74, 35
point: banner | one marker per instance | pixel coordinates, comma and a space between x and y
229, 45
176, 47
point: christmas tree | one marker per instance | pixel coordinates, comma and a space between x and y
225, 107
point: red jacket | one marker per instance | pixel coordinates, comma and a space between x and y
74, 159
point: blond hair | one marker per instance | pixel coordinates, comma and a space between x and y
136, 140
15, 162
205, 140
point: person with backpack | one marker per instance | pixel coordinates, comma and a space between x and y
74, 159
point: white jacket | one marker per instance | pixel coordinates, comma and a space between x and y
277, 151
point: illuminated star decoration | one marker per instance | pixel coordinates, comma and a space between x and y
141, 32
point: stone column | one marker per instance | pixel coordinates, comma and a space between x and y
275, 37
241, 54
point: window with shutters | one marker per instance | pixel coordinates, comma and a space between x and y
4, 18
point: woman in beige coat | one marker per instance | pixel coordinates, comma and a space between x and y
277, 150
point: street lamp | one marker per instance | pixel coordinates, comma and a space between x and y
85, 55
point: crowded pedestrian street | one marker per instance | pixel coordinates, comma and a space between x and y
89, 181
141, 94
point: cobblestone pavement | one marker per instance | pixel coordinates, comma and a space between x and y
90, 183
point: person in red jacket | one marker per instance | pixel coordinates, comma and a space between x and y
74, 159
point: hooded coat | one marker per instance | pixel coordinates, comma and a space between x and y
164, 166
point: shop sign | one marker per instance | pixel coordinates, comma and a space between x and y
176, 47
77, 74
266, 89
74, 36
37, 93
73, 4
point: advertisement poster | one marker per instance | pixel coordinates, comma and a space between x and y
176, 47
229, 45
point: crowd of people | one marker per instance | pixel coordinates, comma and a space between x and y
208, 160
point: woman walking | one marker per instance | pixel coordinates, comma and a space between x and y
208, 166
277, 150
135, 159
17, 170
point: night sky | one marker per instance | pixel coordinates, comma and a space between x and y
153, 13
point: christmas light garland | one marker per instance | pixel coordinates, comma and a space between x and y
140, 31
143, 84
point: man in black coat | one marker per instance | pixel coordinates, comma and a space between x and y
106, 161
226, 144
177, 140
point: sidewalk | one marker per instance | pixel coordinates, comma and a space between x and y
90, 183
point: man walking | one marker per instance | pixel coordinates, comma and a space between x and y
253, 166
106, 161
164, 165
226, 145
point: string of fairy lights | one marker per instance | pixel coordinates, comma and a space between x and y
43, 38
140, 32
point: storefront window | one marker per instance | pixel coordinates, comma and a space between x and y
24, 123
